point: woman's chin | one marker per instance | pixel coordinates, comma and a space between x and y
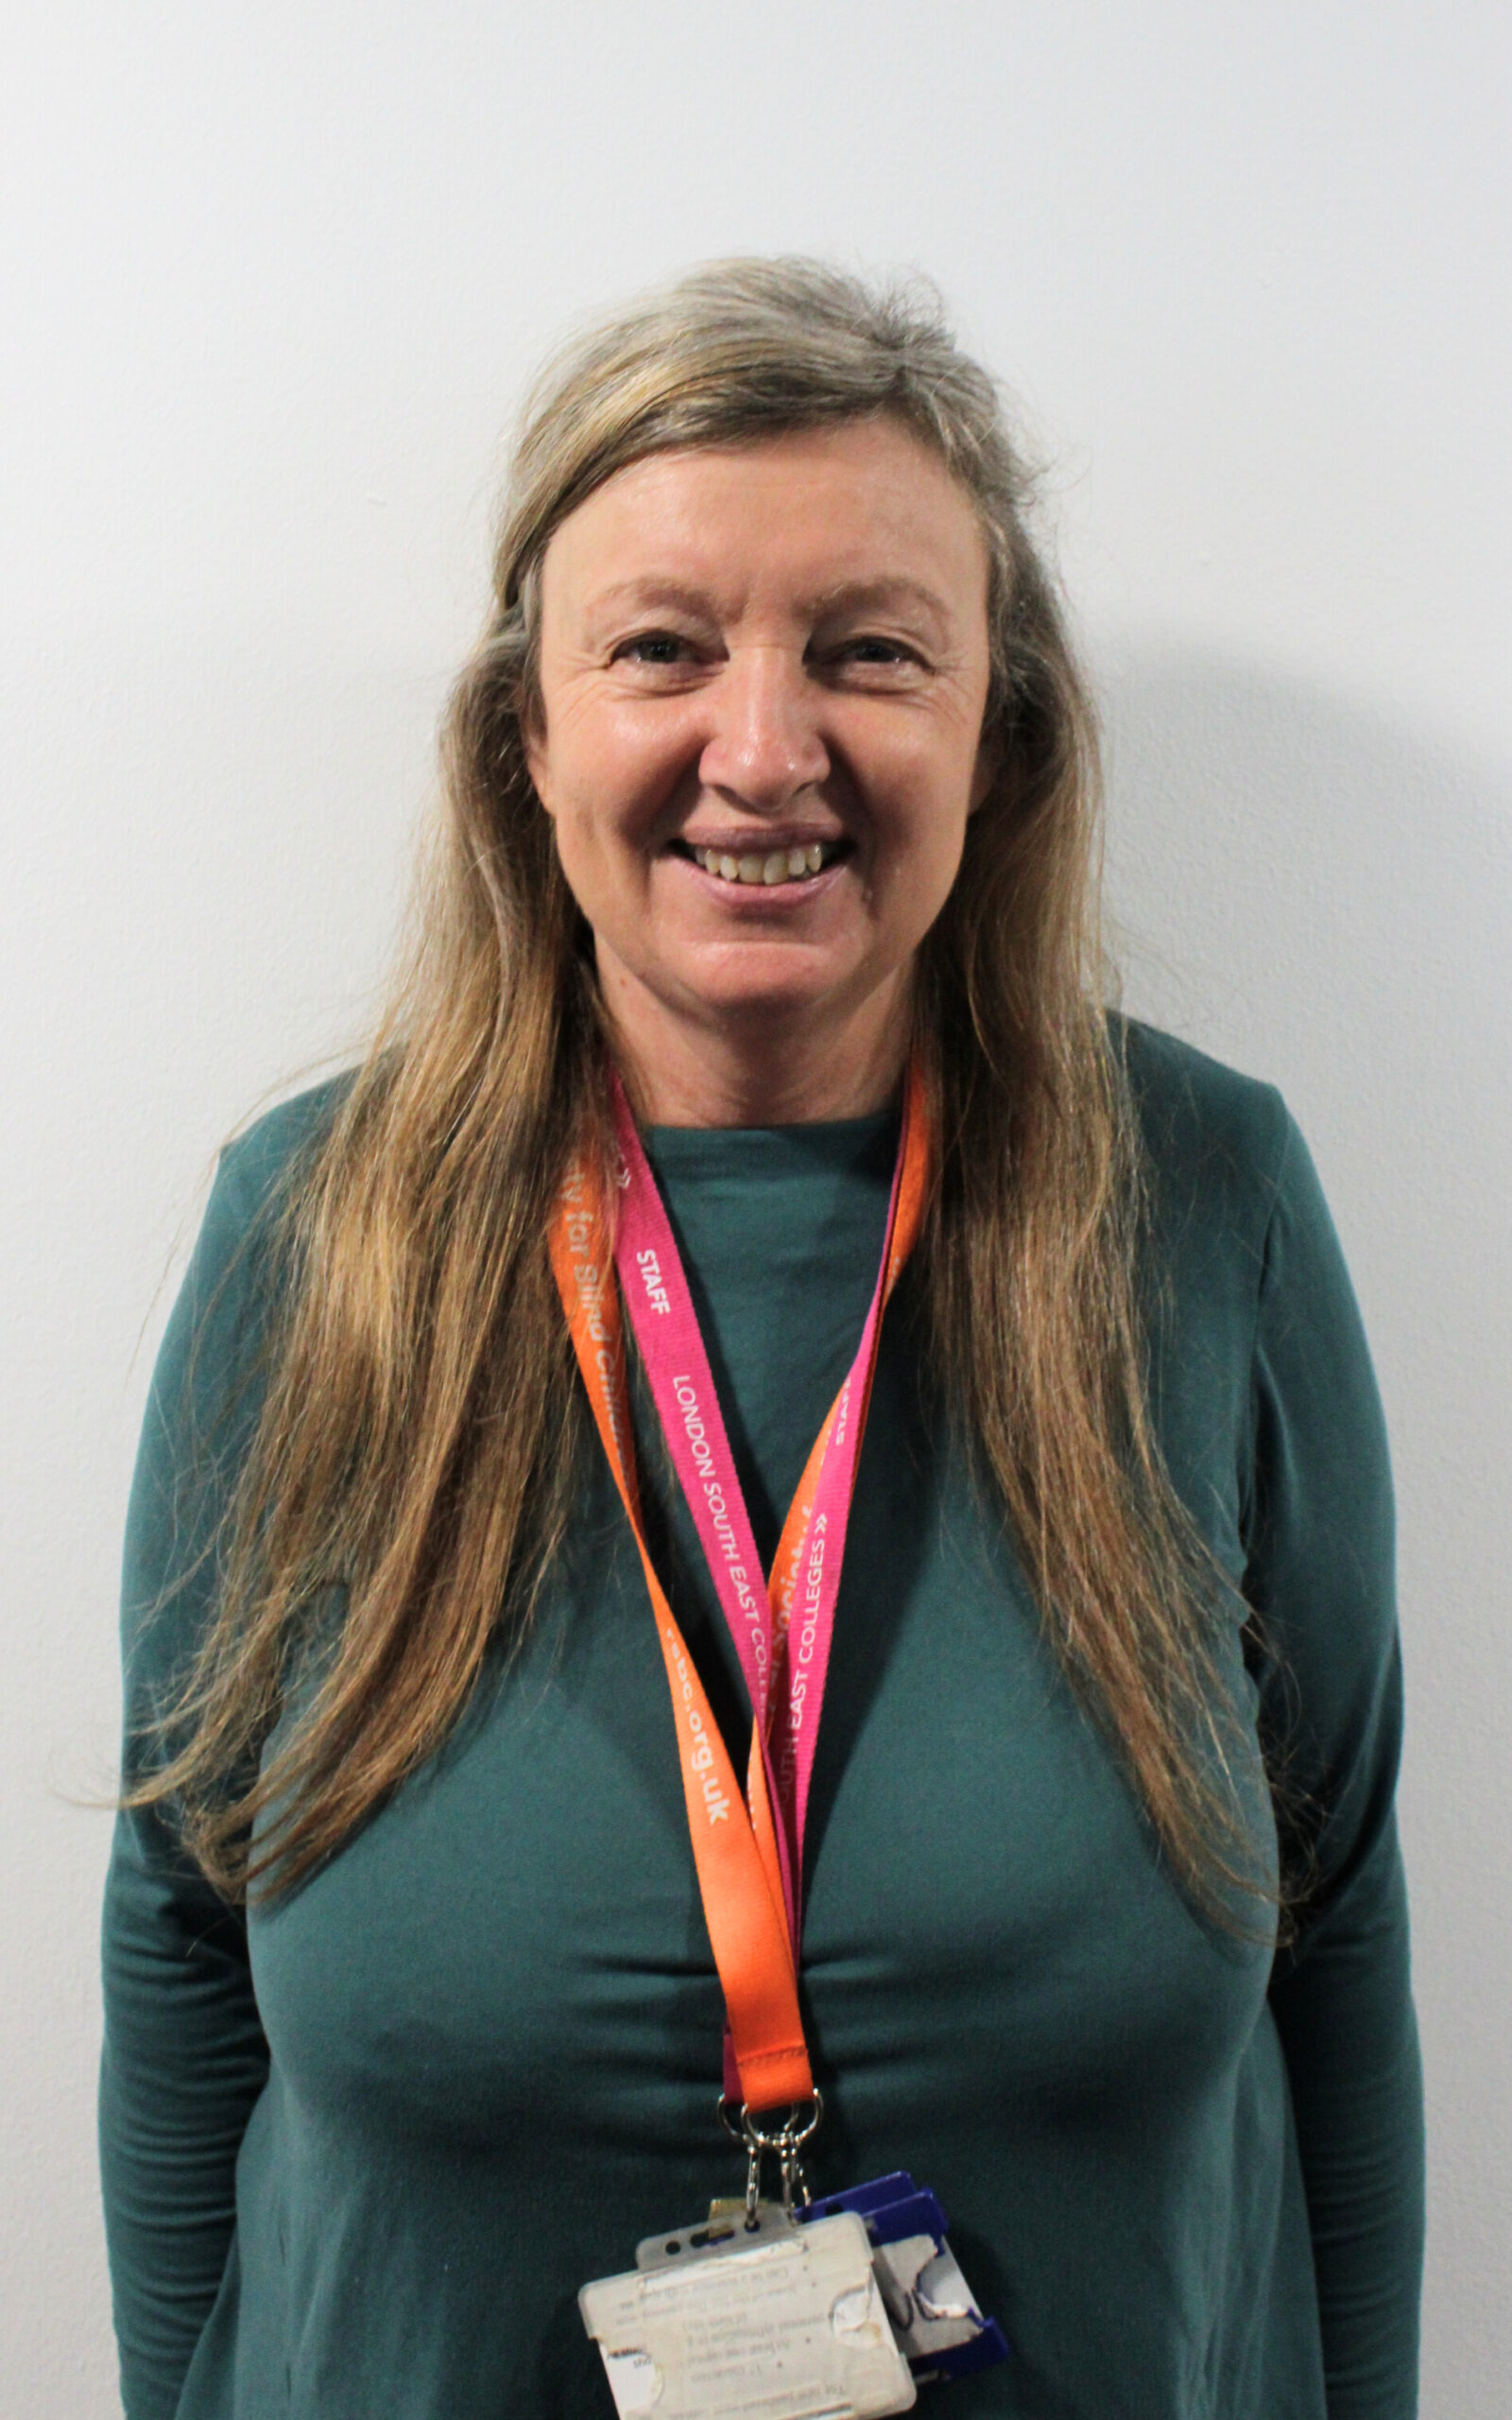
773, 992
739, 980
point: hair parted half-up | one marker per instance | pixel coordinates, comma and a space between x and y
420, 1426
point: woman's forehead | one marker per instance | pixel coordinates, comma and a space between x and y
861, 506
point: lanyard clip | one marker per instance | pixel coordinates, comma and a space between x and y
784, 2141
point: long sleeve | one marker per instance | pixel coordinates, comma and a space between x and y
184, 2054
1320, 1576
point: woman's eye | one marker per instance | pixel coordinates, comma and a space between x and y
654, 648
869, 650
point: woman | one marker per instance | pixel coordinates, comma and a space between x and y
761, 952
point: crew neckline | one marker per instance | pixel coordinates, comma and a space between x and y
873, 1123
828, 1144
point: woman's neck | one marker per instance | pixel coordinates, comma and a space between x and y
761, 1071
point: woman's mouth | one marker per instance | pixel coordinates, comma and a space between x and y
759, 869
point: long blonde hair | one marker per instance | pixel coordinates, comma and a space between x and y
419, 1428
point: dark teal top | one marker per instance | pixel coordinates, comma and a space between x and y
360, 2152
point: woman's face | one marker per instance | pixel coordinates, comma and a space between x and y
763, 675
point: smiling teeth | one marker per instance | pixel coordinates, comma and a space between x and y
782, 865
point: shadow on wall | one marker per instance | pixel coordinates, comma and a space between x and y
1297, 877
1324, 897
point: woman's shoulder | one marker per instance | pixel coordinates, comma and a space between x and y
257, 1165
254, 1171
1216, 1141
207, 1384
235, 1273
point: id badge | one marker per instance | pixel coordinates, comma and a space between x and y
936, 2321
781, 2321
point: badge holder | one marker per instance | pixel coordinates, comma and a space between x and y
792, 2310
757, 2314
936, 2321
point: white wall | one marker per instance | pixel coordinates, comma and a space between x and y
274, 276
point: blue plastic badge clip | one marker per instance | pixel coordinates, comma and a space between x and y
934, 2317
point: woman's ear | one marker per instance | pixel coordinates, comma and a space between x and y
533, 739
985, 772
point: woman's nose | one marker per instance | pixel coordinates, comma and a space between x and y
766, 745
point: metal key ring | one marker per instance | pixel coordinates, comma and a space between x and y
752, 2135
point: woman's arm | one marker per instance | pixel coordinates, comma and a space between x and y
183, 2064
1320, 1576
184, 2058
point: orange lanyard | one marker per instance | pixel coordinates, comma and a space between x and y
747, 1848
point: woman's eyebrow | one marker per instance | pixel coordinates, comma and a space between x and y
645, 593
898, 592
894, 591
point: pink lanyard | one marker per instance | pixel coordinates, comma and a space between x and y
782, 1627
